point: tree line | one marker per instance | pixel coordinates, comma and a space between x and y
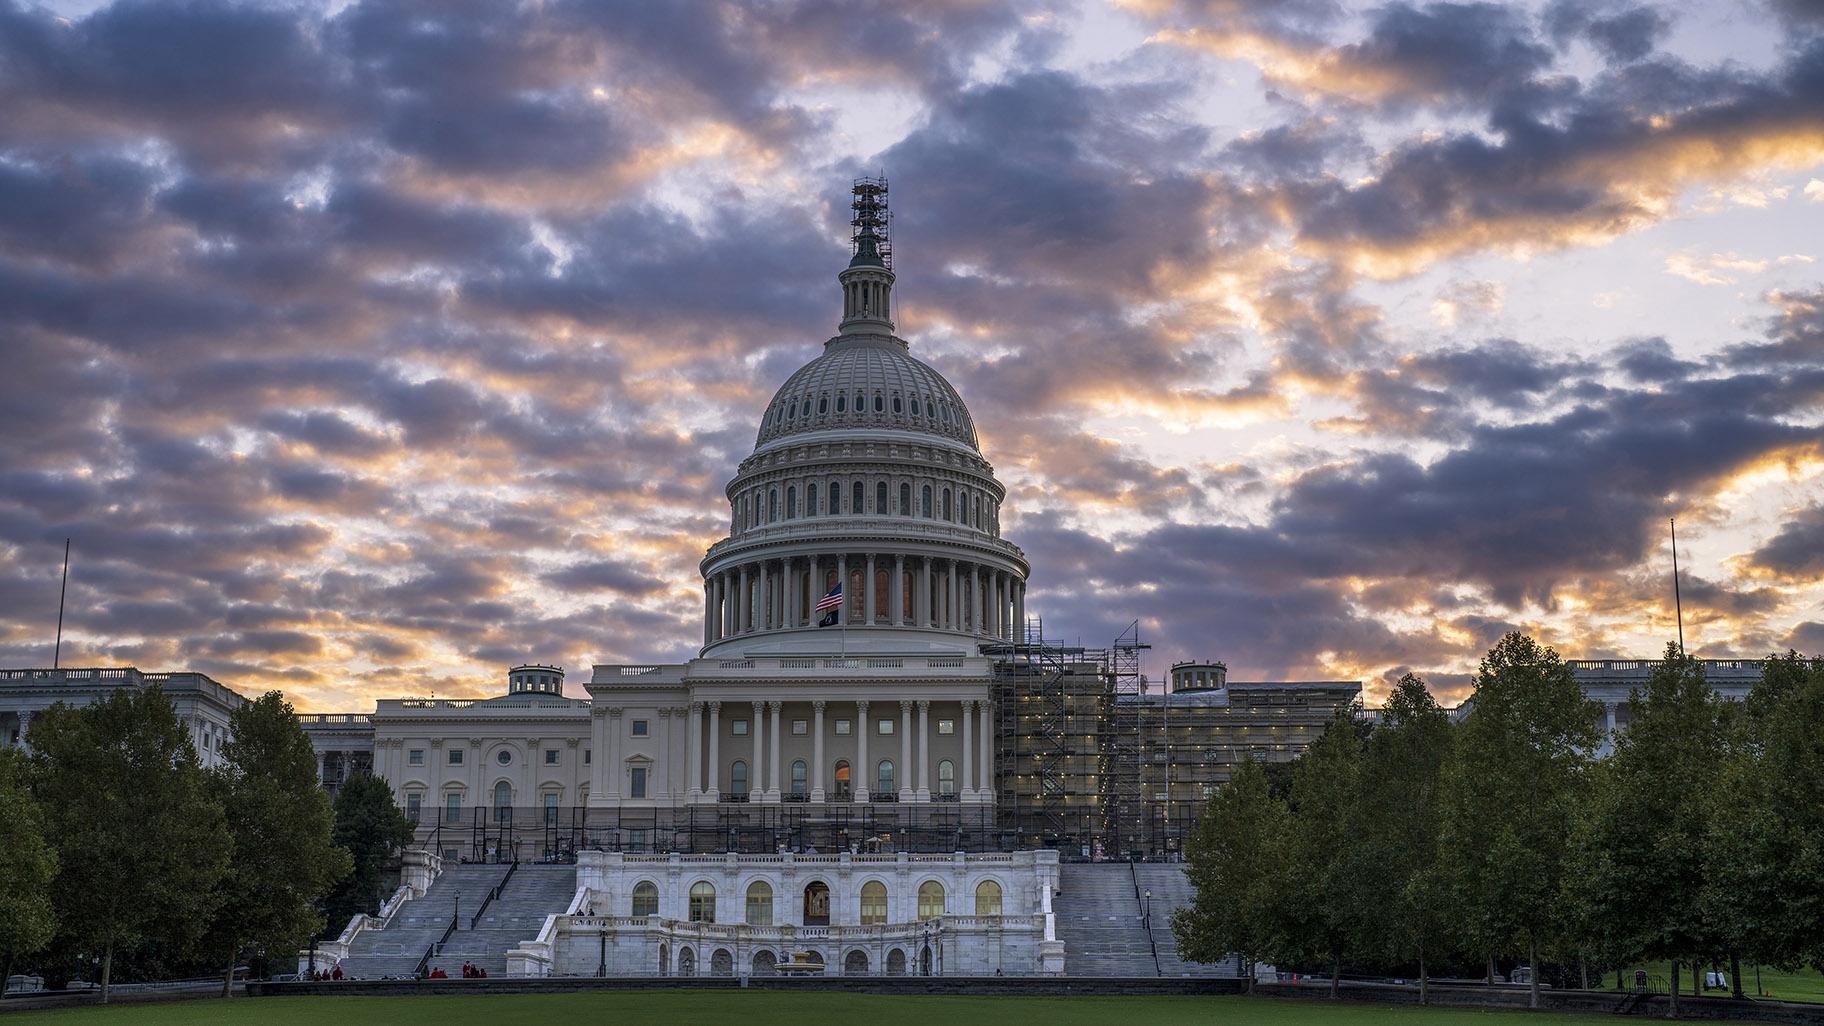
1417, 844
120, 851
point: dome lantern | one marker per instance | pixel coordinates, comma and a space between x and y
867, 283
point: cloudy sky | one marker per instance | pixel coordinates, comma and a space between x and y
365, 349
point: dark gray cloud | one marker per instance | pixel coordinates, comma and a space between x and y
1796, 550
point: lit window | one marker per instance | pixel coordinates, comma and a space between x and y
759, 903
883, 727
930, 900
946, 726
988, 898
873, 903
703, 902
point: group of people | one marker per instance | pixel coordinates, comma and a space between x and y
326, 975
470, 971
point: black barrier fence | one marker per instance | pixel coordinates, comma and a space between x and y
557, 833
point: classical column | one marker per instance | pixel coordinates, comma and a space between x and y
1019, 610
896, 600
756, 780
709, 613
953, 618
772, 791
923, 597
987, 743
793, 581
905, 752
817, 751
975, 598
842, 578
598, 738
765, 621
967, 785
611, 773
867, 592
744, 611
658, 784
714, 790
693, 751
924, 751
728, 605
862, 769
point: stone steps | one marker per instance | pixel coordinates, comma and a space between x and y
1099, 921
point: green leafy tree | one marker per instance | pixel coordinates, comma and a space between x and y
1643, 852
25, 898
142, 843
1320, 901
1396, 825
1232, 859
285, 858
1764, 862
1511, 793
372, 828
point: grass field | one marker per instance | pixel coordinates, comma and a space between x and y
760, 1008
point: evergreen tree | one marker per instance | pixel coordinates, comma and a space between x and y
1512, 787
29, 864
1764, 861
1324, 882
284, 858
1642, 854
142, 843
372, 828
1232, 859
1396, 827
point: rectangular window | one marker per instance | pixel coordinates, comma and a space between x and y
642, 728
588, 754
414, 804
550, 808
455, 756
636, 785
415, 757
884, 727
946, 726
449, 854
800, 727
738, 728
452, 807
550, 756
842, 728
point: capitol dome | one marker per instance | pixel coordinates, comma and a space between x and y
867, 381
866, 504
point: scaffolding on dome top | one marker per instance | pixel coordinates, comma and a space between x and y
873, 218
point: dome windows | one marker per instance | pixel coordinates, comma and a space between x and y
857, 500
861, 403
880, 498
896, 405
878, 405
905, 500
823, 405
810, 499
840, 398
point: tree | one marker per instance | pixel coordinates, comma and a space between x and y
1232, 859
1511, 790
284, 857
25, 900
1319, 905
1643, 852
1396, 825
372, 828
142, 842
1765, 849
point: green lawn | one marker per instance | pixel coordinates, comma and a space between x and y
1800, 986
763, 1008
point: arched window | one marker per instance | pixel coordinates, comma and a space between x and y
897, 407
645, 899
925, 503
857, 499
880, 498
905, 500
807, 405
884, 779
878, 405
799, 772
873, 903
503, 801
791, 501
702, 902
835, 497
930, 900
823, 404
810, 499
737, 778
772, 506
861, 402
760, 903
947, 515
978, 512
843, 784
988, 898
841, 402
946, 777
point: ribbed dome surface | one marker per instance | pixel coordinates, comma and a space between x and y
867, 382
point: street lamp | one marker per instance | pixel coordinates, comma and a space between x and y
1146, 913
457, 916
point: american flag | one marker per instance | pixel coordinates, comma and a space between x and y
832, 599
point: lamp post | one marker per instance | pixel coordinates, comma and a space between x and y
457, 917
1146, 912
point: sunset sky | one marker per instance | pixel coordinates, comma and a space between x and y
366, 349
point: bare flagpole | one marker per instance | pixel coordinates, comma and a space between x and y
62, 590
1677, 603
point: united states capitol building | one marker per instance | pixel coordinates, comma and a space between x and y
877, 763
